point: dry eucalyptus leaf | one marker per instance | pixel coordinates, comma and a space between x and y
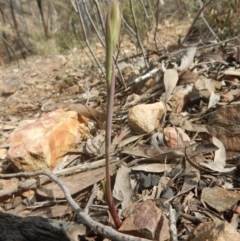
220, 154
170, 82
190, 181
122, 188
50, 212
81, 109
156, 140
129, 140
219, 162
152, 167
187, 59
75, 183
95, 146
213, 100
218, 167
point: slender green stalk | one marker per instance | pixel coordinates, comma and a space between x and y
113, 23
110, 102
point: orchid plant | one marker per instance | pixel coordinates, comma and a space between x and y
113, 23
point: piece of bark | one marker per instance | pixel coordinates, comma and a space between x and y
30, 229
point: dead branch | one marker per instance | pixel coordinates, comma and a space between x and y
151, 25
206, 22
194, 21
100, 15
200, 47
137, 34
93, 24
85, 35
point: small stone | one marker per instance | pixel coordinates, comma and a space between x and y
142, 219
145, 118
175, 137
219, 198
217, 230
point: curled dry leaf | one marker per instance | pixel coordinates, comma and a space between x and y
218, 168
187, 59
132, 99
196, 166
220, 159
156, 140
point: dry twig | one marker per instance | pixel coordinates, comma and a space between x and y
85, 35
137, 34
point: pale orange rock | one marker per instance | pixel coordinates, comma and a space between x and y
175, 137
41, 144
145, 118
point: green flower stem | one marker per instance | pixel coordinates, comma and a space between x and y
113, 22
109, 197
